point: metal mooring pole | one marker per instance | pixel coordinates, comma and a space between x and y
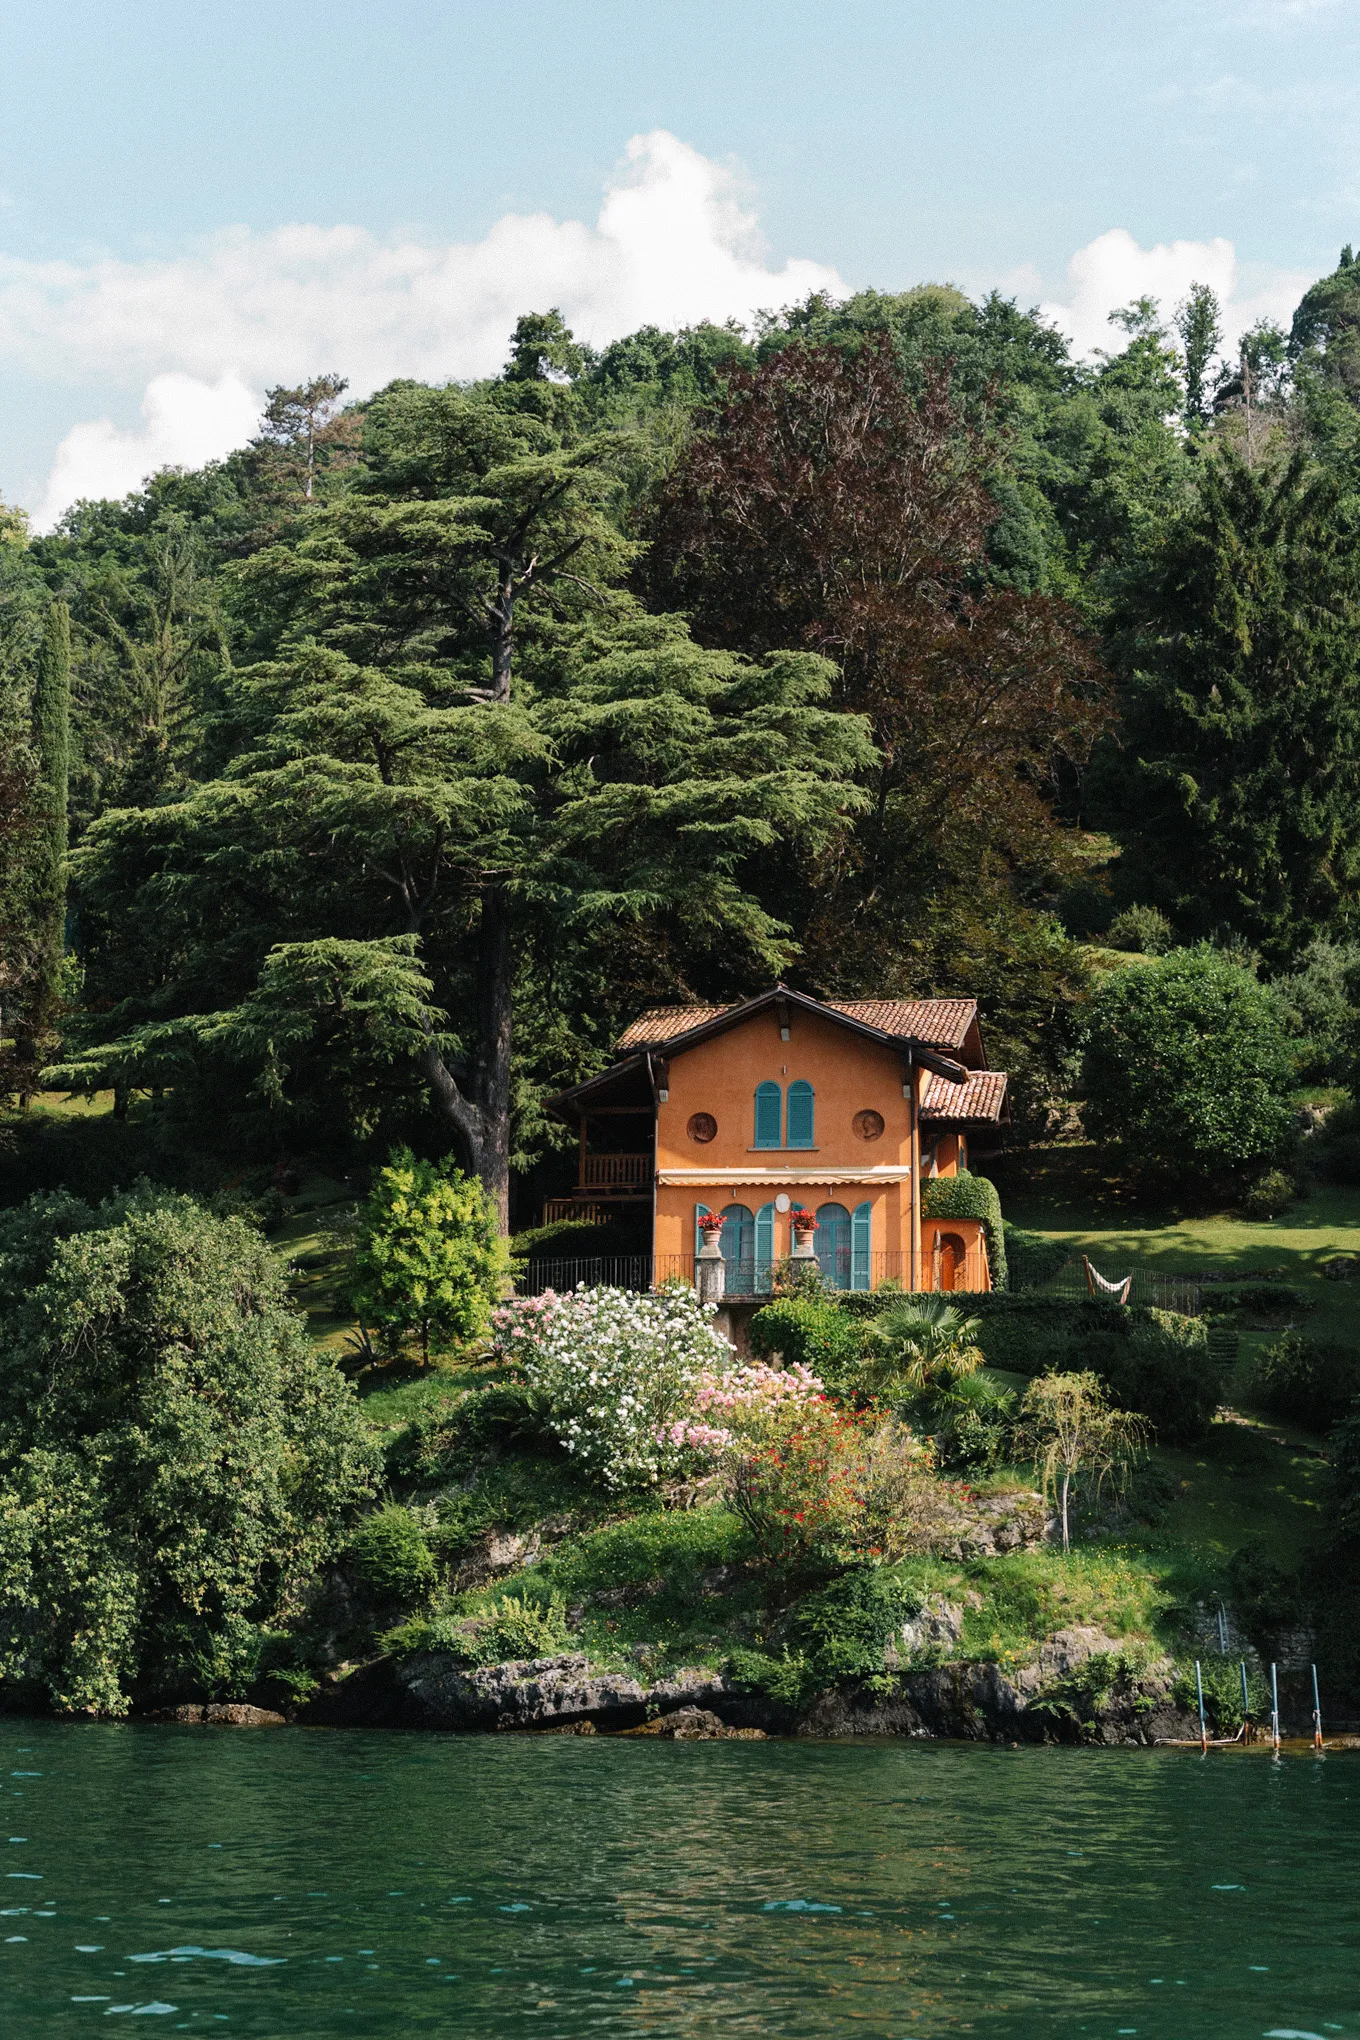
1317, 1714
1275, 1710
1199, 1695
1246, 1702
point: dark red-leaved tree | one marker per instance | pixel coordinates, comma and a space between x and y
826, 507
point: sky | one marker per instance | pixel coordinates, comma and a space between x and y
198, 202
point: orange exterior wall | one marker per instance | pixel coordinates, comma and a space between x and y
848, 1075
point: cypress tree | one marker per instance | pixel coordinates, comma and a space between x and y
52, 743
52, 728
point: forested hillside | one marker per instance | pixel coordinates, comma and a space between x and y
359, 787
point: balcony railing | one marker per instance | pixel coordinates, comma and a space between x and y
614, 1174
741, 1278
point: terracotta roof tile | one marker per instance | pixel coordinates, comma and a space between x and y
940, 1023
663, 1023
981, 1096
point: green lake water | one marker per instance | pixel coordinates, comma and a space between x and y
294, 1883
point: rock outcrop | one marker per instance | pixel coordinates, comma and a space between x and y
1080, 1686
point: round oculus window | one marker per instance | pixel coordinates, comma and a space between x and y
868, 1125
704, 1127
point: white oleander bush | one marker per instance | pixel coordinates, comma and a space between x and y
617, 1375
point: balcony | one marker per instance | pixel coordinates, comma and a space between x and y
605, 1182
614, 1175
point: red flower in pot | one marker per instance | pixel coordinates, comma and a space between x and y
710, 1222
802, 1220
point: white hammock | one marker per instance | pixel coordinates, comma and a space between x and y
1098, 1286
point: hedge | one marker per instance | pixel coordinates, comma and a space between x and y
808, 1332
1153, 1361
967, 1196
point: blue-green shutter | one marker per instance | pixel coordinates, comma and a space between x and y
861, 1234
769, 1112
764, 1249
700, 1211
800, 1115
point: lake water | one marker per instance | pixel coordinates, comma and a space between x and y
294, 1883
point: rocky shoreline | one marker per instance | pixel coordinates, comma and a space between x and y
974, 1701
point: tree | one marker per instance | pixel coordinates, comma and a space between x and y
298, 419
1234, 783
376, 856
52, 744
1197, 322
429, 1260
1076, 1437
829, 507
543, 349
175, 1459
1187, 1067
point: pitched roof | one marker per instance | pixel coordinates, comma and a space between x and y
981, 1096
663, 1023
941, 1023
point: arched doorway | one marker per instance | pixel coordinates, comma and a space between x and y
738, 1243
833, 1245
951, 1260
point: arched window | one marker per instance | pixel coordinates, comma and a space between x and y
764, 1250
800, 1115
861, 1239
769, 1113
833, 1244
738, 1243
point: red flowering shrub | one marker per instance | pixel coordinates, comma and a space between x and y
824, 1487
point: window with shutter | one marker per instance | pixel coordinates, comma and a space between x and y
700, 1211
769, 1113
861, 1236
800, 1134
764, 1249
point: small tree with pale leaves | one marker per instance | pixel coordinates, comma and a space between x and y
1068, 1425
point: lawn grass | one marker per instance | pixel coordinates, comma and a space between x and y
1064, 1192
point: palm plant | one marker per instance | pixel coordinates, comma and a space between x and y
920, 1346
923, 1356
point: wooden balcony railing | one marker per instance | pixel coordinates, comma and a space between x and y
615, 1173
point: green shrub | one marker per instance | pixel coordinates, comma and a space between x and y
1334, 1151
1269, 1194
814, 1334
429, 1262
1306, 1381
1031, 1259
839, 1633
1261, 1299
1187, 1067
1221, 1680
390, 1555
1145, 930
966, 1196
175, 1459
522, 1628
1345, 1450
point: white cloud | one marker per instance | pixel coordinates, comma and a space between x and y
672, 244
188, 422
1113, 270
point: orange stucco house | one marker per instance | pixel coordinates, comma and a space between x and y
844, 1107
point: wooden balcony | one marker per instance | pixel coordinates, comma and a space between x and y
614, 1175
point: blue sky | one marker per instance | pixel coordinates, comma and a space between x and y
197, 201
